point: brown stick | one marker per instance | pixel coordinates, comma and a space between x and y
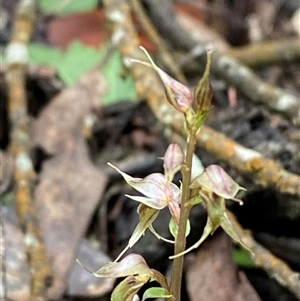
267, 52
264, 171
275, 267
24, 175
157, 40
244, 79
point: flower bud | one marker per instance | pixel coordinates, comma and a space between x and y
203, 91
173, 159
178, 95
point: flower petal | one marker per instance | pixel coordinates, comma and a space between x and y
157, 204
215, 179
132, 264
151, 186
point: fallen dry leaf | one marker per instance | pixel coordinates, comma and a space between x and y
212, 274
17, 276
61, 122
6, 167
84, 284
69, 190
70, 186
87, 27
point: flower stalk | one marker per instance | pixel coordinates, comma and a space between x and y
180, 240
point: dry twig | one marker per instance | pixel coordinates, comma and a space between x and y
267, 52
274, 266
157, 40
264, 171
276, 99
24, 176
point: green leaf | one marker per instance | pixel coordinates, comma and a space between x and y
121, 86
41, 54
70, 64
77, 60
64, 7
242, 258
156, 292
127, 288
174, 228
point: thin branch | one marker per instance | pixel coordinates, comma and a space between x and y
274, 266
266, 172
259, 91
24, 176
151, 31
162, 15
267, 52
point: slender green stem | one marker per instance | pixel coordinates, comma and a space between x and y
180, 240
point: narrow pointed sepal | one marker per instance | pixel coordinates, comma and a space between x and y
147, 216
228, 228
208, 229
